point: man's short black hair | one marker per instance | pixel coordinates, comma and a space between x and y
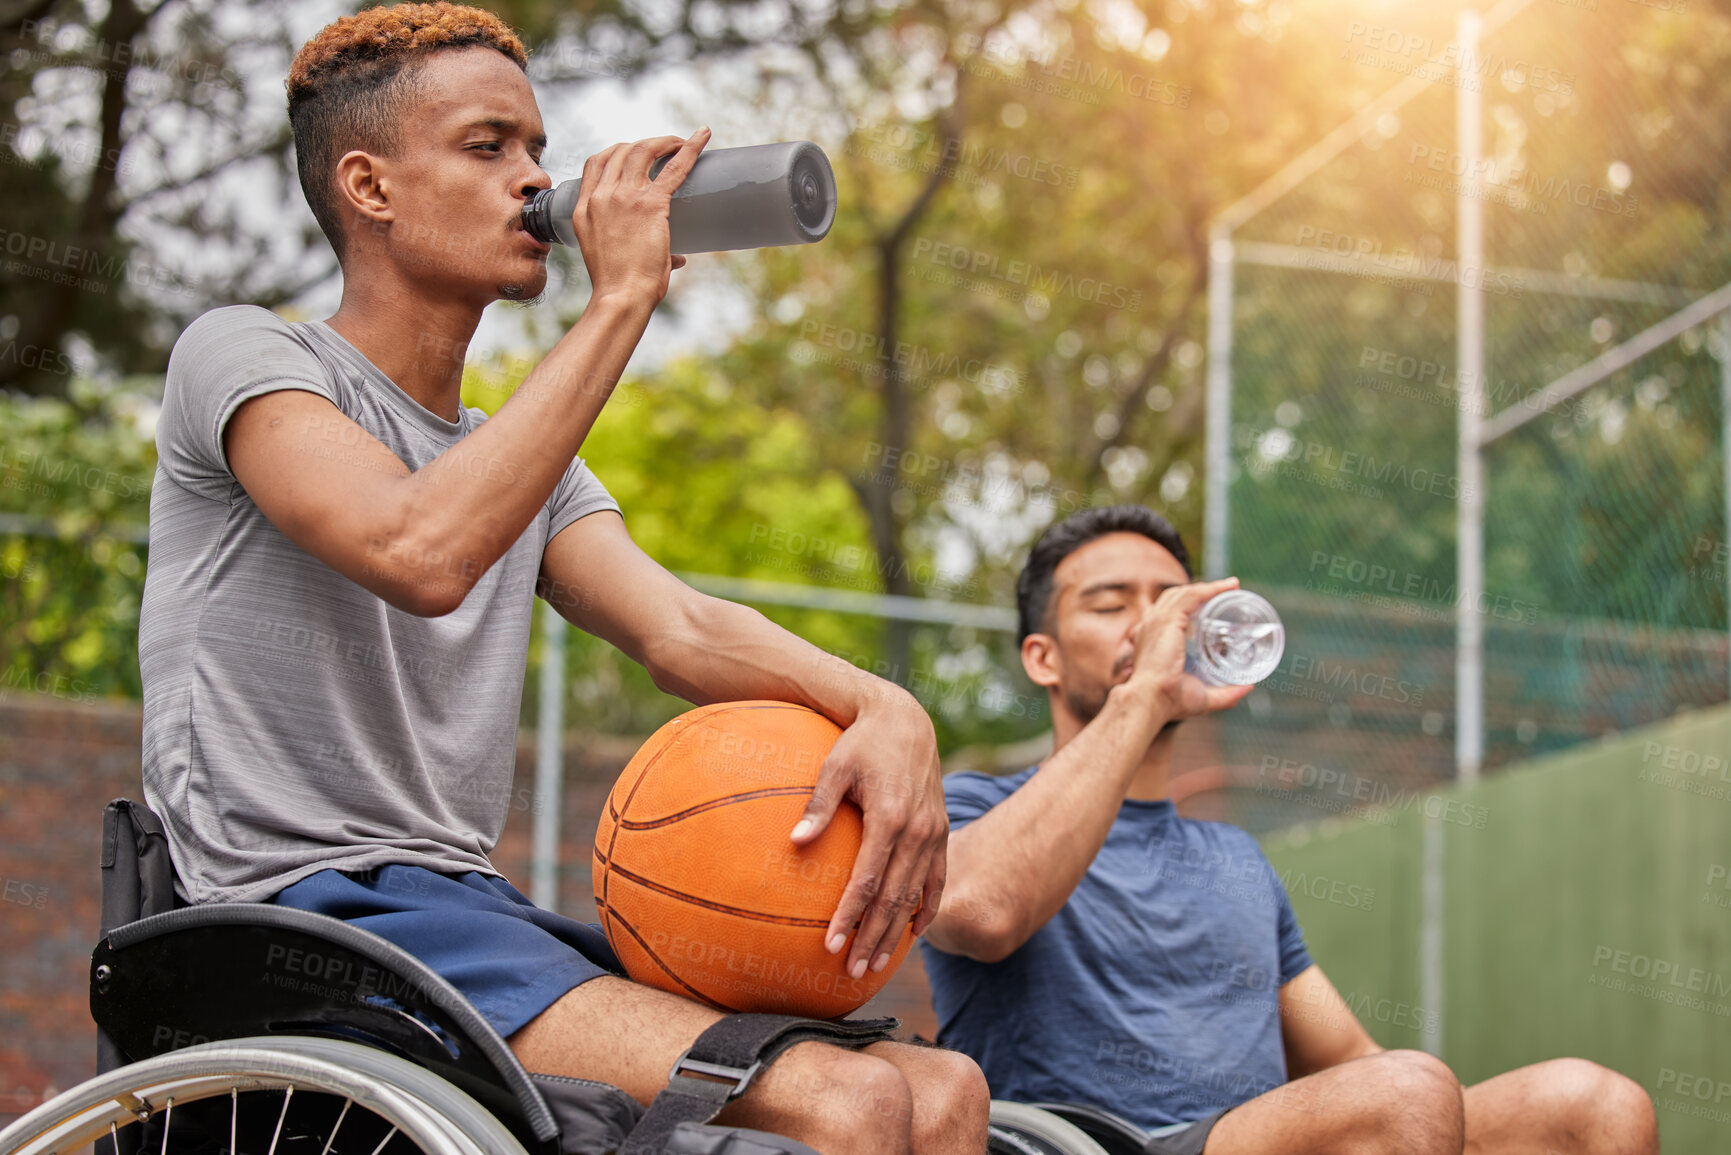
1034, 584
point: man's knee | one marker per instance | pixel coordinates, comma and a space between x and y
1583, 1093
1415, 1104
952, 1103
854, 1101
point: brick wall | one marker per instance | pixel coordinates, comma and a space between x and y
59, 762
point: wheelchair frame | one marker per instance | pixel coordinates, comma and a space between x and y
193, 1003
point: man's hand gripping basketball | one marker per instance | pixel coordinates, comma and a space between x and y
886, 762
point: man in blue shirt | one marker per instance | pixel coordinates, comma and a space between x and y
1095, 947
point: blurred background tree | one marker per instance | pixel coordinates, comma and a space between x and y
1006, 323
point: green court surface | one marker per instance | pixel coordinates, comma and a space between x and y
1586, 910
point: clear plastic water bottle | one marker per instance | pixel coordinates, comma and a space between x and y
1236, 639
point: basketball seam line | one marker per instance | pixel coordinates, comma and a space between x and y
701, 807
718, 907
656, 959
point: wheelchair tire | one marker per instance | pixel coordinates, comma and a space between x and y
1018, 1129
422, 1108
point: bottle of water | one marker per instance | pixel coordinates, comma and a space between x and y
733, 198
1235, 639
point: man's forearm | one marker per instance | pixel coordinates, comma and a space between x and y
1015, 866
472, 502
722, 652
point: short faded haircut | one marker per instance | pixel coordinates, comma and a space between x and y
350, 85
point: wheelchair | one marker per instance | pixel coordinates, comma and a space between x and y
253, 1029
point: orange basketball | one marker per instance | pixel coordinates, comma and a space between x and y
700, 889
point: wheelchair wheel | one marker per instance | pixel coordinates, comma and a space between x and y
1018, 1129
279, 1095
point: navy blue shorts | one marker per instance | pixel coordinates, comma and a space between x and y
510, 958
1182, 1138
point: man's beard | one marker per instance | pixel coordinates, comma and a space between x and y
516, 293
1085, 705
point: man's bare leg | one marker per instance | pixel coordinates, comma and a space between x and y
889, 1097
1563, 1107
1403, 1101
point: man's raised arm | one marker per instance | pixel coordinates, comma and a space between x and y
1015, 866
420, 540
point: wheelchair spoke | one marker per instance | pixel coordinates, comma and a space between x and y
286, 1096
412, 1108
337, 1126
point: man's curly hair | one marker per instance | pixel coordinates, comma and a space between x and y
350, 85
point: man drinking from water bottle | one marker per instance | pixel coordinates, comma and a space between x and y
343, 560
1095, 947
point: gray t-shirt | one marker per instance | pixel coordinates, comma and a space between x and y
294, 721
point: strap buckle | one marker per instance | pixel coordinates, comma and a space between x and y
690, 1069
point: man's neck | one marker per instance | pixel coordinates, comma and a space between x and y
416, 341
1152, 779
1152, 782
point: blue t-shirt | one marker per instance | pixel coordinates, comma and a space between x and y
1152, 993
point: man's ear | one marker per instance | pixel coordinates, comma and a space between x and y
363, 192
1040, 660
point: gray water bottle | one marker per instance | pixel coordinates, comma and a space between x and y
733, 198
1235, 639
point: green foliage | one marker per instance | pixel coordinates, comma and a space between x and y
1050, 319
77, 476
712, 486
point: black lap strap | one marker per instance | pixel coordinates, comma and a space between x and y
725, 1059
